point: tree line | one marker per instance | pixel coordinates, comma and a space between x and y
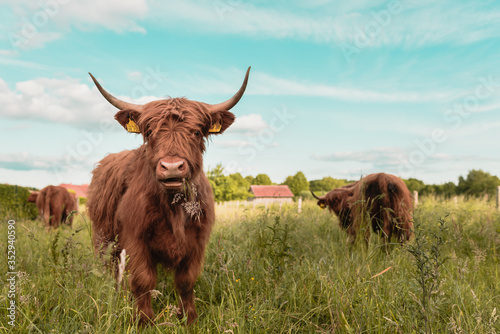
231, 187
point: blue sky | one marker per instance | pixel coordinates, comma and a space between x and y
337, 88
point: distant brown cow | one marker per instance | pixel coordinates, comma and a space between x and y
54, 205
383, 198
155, 200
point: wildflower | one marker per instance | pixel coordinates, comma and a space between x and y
177, 198
192, 208
155, 293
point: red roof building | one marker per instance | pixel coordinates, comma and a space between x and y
272, 194
80, 191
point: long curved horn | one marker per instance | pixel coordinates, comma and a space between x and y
113, 100
316, 196
227, 105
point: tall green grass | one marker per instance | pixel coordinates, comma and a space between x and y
268, 271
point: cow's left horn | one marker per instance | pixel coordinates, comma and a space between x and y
227, 105
113, 100
316, 196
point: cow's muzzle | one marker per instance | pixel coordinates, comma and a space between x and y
171, 172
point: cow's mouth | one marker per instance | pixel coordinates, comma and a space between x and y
172, 183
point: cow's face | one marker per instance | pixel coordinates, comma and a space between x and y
336, 200
174, 132
33, 196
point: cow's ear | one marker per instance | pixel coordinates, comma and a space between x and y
322, 203
129, 120
220, 121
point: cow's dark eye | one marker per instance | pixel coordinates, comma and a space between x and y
197, 133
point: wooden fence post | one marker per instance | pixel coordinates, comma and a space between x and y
300, 204
415, 198
498, 198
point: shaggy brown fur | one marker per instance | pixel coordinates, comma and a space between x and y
383, 197
55, 205
130, 199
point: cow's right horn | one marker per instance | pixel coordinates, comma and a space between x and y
316, 196
113, 100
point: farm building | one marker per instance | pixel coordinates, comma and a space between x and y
271, 194
79, 191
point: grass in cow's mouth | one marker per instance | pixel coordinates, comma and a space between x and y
188, 198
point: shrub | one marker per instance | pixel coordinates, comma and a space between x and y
14, 204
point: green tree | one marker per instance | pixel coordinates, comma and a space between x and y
227, 187
249, 179
240, 180
262, 179
447, 190
297, 183
326, 184
478, 183
414, 184
216, 179
242, 186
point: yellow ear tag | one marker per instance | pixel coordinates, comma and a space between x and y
132, 127
215, 128
322, 205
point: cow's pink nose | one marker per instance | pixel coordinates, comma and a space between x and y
172, 167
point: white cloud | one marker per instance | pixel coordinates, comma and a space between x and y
37, 41
135, 76
488, 107
383, 156
32, 24
418, 23
390, 159
25, 161
116, 15
42, 178
25, 64
60, 101
25, 168
226, 82
248, 124
264, 84
56, 100
8, 52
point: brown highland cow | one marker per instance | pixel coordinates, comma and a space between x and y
155, 201
381, 198
55, 205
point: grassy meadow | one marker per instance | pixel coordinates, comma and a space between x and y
268, 271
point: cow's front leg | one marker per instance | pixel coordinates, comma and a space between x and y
142, 281
185, 278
